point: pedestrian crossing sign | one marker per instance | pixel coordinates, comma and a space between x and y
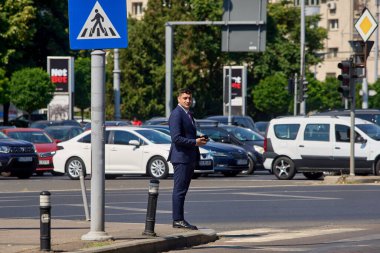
98, 24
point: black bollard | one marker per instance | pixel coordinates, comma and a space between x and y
152, 206
45, 221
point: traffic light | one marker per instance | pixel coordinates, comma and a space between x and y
345, 78
290, 87
302, 89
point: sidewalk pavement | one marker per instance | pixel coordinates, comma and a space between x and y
347, 179
23, 235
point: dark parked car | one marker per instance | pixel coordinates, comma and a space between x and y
219, 134
63, 133
43, 143
109, 123
236, 120
24, 121
262, 126
42, 124
228, 159
156, 121
18, 158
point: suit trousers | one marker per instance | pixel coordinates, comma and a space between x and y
183, 173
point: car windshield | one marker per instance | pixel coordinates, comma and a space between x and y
244, 134
155, 136
372, 130
34, 137
59, 134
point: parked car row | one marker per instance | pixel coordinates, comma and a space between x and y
228, 160
128, 150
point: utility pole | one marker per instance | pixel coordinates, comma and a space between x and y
116, 84
302, 62
377, 42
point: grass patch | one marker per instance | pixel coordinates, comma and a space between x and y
98, 244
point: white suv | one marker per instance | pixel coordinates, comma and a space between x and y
315, 144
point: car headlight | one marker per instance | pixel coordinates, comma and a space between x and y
47, 154
259, 149
5, 149
206, 156
215, 153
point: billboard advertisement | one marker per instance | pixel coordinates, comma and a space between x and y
238, 89
61, 72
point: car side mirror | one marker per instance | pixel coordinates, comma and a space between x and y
360, 139
134, 143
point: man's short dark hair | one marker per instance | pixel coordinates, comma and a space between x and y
184, 90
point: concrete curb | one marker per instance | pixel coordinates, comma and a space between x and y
347, 179
158, 244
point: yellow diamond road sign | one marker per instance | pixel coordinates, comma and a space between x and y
366, 25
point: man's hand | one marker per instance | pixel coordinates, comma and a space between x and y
201, 141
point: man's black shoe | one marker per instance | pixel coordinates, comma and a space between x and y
183, 224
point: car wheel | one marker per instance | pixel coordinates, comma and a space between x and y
313, 175
377, 168
283, 168
251, 166
158, 167
231, 173
74, 166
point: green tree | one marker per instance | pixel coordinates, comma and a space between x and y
324, 95
374, 101
31, 89
282, 52
270, 95
82, 84
197, 58
196, 62
30, 31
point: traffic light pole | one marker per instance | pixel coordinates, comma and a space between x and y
295, 94
352, 137
302, 62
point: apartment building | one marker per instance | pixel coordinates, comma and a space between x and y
136, 8
339, 18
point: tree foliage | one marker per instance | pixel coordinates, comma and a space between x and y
270, 95
82, 84
198, 61
31, 89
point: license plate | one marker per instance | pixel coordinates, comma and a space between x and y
204, 163
25, 159
242, 162
43, 162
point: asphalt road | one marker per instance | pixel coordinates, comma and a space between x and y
251, 213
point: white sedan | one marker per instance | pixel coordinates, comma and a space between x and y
128, 150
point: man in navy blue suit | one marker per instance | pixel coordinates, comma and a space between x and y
184, 154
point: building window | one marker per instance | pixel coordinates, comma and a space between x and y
332, 52
137, 8
307, 2
333, 24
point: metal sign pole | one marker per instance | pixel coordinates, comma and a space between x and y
98, 78
116, 84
